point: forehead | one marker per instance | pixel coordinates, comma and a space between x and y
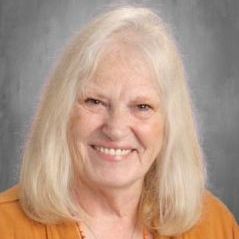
121, 64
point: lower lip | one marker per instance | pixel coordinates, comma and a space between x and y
111, 158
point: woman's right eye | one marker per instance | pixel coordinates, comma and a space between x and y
93, 102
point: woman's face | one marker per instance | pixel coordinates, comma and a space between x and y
117, 124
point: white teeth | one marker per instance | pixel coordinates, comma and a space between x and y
113, 152
118, 151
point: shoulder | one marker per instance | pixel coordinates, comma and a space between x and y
215, 209
216, 221
9, 195
9, 205
13, 219
15, 224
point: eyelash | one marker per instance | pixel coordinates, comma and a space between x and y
94, 101
144, 107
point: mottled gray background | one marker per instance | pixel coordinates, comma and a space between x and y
33, 33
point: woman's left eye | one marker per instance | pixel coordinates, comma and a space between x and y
144, 107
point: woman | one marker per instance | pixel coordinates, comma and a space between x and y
113, 151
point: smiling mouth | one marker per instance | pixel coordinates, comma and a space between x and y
113, 151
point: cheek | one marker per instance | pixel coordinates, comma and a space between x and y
151, 135
84, 123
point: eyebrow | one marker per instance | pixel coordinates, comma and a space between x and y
92, 92
98, 92
147, 99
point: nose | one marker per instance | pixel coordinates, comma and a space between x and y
116, 124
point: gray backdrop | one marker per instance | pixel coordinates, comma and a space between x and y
33, 33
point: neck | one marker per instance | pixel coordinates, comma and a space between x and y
107, 203
110, 213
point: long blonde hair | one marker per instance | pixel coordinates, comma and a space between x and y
173, 188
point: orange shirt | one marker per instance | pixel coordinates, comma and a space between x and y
217, 222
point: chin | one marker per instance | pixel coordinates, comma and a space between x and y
114, 183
